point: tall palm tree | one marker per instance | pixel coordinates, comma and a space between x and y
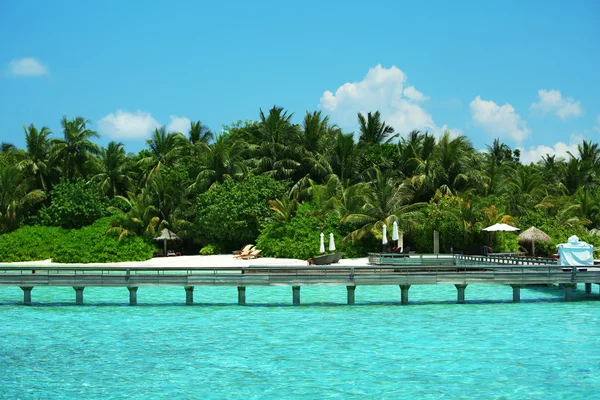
199, 133
373, 130
165, 147
220, 160
36, 164
274, 145
114, 166
75, 148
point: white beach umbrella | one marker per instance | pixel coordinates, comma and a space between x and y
331, 242
501, 227
395, 231
322, 248
384, 233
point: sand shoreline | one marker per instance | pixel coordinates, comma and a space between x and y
221, 260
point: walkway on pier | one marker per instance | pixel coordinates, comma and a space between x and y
459, 271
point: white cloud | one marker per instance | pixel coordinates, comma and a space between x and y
552, 102
125, 125
413, 94
383, 90
179, 124
560, 149
27, 66
502, 121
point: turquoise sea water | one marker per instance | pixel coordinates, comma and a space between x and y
541, 348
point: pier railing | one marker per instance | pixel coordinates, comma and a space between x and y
464, 273
460, 275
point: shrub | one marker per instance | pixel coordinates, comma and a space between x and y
73, 205
232, 213
209, 250
300, 236
30, 243
91, 244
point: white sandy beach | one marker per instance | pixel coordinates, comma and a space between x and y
221, 260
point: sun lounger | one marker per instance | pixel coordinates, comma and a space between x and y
253, 254
245, 251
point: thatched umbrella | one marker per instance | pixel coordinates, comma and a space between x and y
533, 235
166, 235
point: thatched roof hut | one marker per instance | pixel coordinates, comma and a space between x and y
533, 235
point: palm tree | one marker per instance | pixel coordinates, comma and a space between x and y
497, 157
220, 160
373, 130
199, 133
74, 149
114, 176
385, 201
274, 146
165, 148
140, 219
37, 163
15, 197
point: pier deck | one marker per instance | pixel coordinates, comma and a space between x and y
461, 273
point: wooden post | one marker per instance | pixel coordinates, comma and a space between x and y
404, 294
460, 288
78, 295
436, 242
189, 295
27, 295
132, 295
242, 295
588, 288
351, 290
296, 295
516, 293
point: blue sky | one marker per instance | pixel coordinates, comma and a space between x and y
523, 71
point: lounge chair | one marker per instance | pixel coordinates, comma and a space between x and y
245, 251
253, 254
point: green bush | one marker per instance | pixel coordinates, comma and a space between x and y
209, 250
73, 205
232, 213
91, 244
300, 236
30, 243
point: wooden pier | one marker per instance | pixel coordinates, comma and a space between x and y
404, 272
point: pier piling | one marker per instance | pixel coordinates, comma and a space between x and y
404, 294
516, 293
78, 295
568, 290
189, 295
242, 295
588, 288
351, 290
132, 295
296, 295
27, 295
460, 289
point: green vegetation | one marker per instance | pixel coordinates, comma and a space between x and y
30, 243
279, 184
92, 244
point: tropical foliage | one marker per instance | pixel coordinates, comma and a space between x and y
279, 184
